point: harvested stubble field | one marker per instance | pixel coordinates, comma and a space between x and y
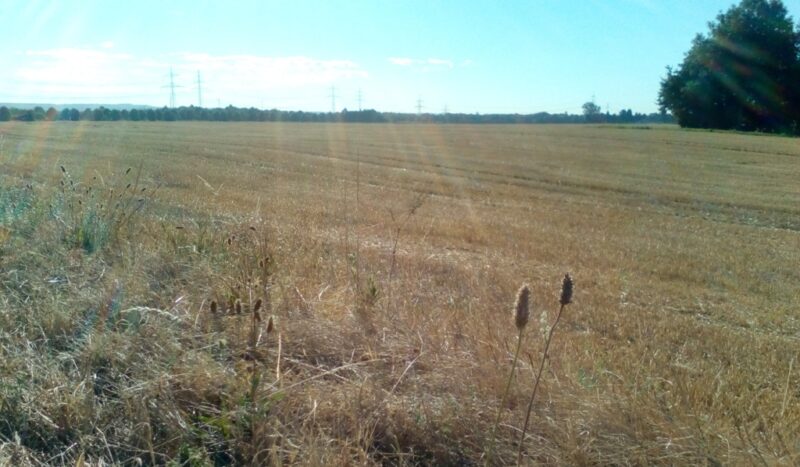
387, 259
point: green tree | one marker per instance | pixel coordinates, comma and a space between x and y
5, 114
591, 112
741, 75
25, 116
38, 113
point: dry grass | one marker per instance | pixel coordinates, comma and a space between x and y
392, 336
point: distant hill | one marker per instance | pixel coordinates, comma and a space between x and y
27, 106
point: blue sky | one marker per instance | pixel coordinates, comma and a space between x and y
463, 56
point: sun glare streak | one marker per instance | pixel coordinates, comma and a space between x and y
760, 86
449, 158
439, 158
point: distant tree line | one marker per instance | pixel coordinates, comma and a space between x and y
28, 115
240, 114
743, 75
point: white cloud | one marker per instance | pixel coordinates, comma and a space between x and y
427, 64
440, 62
69, 72
104, 74
72, 66
402, 61
262, 72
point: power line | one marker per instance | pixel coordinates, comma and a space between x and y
171, 87
333, 99
359, 99
199, 90
419, 106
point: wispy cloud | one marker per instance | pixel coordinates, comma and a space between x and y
402, 61
104, 73
259, 72
73, 66
439, 62
427, 64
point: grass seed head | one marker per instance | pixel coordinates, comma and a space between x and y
213, 306
566, 290
522, 312
270, 325
257, 306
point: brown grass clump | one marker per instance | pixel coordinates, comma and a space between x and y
378, 339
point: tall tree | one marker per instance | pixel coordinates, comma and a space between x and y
741, 75
591, 111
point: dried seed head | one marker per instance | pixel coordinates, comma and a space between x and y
566, 290
128, 171
238, 306
522, 310
213, 306
63, 170
257, 306
270, 325
257, 316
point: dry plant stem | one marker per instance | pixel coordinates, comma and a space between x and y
358, 243
536, 384
490, 449
394, 253
786, 391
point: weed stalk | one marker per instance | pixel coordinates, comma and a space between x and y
521, 317
566, 298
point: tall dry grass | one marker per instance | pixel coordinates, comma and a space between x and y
388, 342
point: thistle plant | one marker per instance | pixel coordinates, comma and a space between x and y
564, 300
522, 315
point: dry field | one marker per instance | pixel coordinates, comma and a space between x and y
387, 259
